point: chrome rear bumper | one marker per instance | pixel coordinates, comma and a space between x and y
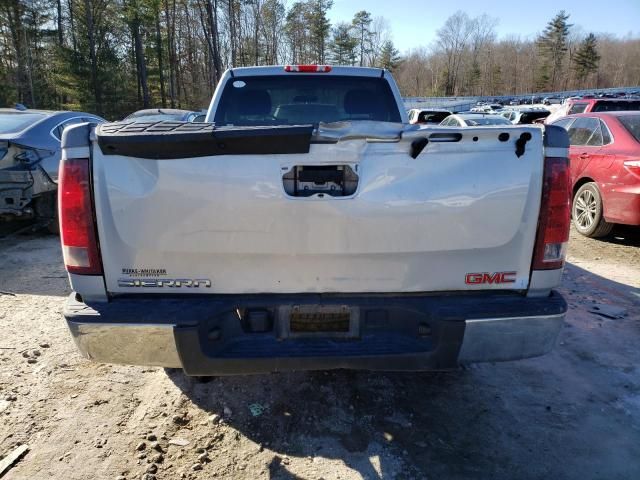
175, 335
126, 343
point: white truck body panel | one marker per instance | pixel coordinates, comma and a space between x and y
413, 225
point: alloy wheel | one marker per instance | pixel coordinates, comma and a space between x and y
585, 209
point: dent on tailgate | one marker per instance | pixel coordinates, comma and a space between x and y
223, 220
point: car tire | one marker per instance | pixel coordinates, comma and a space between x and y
587, 212
46, 209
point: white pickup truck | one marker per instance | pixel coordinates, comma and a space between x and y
307, 225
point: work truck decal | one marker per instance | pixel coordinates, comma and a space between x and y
144, 272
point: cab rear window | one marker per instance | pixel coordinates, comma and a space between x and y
632, 124
301, 99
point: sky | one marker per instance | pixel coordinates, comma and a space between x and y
414, 23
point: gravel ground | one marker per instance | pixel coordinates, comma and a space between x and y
574, 413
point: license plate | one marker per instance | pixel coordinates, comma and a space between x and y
322, 320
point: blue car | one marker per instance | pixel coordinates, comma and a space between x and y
29, 157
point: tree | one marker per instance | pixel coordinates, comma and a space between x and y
361, 22
453, 39
389, 56
134, 15
273, 15
319, 27
112, 57
552, 45
343, 45
297, 32
587, 58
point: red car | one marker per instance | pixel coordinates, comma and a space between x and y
604, 158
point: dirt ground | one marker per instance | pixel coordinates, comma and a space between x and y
572, 414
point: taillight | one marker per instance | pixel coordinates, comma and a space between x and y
77, 232
555, 216
308, 68
633, 166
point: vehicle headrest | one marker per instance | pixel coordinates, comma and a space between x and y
254, 102
357, 102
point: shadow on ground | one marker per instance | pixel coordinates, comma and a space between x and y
528, 419
623, 235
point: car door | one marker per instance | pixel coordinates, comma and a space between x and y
585, 145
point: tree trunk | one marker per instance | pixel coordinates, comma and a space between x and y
60, 36
72, 24
140, 62
171, 25
92, 56
213, 40
232, 32
14, 19
163, 95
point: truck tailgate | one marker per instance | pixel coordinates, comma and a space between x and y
412, 224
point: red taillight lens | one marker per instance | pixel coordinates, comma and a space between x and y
77, 233
555, 215
633, 166
308, 68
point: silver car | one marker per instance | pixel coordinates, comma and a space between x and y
29, 157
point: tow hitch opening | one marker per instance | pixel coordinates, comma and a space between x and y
309, 180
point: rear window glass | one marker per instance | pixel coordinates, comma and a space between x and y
632, 124
432, 117
530, 117
617, 106
606, 136
577, 108
296, 100
582, 130
563, 122
16, 122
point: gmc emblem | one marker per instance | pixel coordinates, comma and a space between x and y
490, 278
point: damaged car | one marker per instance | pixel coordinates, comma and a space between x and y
29, 158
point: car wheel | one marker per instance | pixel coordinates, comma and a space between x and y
587, 212
46, 209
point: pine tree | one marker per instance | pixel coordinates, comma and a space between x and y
297, 32
389, 56
362, 21
343, 45
587, 57
552, 46
473, 78
319, 27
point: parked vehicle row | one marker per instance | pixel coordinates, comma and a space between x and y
30, 152
556, 99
